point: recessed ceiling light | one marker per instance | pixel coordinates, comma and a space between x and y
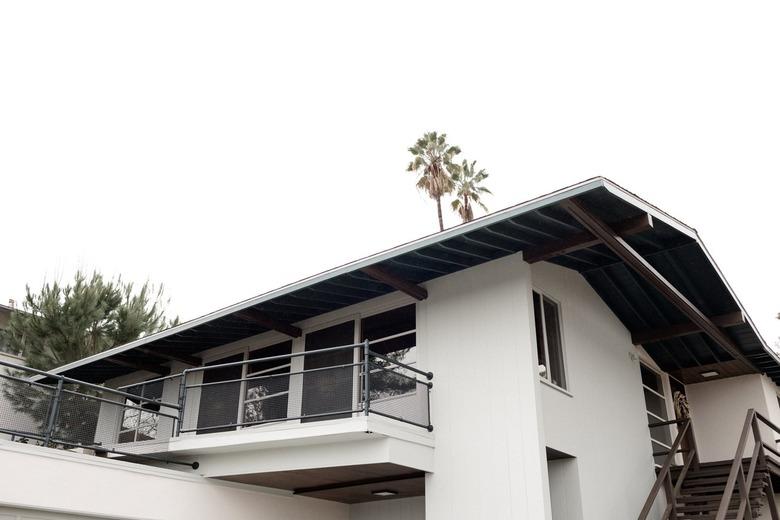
384, 493
711, 373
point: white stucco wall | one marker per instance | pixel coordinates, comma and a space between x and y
601, 420
401, 509
474, 334
54, 480
718, 410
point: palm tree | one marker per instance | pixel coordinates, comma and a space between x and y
468, 190
433, 162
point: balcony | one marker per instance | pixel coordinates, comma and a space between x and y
329, 423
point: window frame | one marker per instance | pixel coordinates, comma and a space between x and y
543, 295
138, 409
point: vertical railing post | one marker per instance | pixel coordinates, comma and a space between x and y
366, 378
54, 410
182, 401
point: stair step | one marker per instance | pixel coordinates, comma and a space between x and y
697, 481
688, 499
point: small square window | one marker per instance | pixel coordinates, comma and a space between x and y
549, 342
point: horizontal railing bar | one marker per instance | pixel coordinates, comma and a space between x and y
771, 449
426, 426
666, 452
666, 423
392, 336
193, 465
269, 376
428, 375
281, 419
273, 358
385, 369
768, 422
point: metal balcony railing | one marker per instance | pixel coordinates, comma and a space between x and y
328, 383
74, 414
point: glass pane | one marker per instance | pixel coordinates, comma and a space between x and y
655, 404
147, 428
267, 409
128, 436
554, 345
394, 380
268, 384
328, 391
280, 349
130, 417
388, 323
219, 402
539, 329
662, 434
651, 379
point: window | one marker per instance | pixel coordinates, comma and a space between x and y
549, 344
392, 334
267, 384
656, 407
140, 422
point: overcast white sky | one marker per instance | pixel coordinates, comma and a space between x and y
227, 148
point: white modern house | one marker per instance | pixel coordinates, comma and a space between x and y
575, 357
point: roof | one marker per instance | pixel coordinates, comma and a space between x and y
671, 247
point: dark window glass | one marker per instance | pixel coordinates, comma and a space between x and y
329, 391
392, 334
141, 425
651, 380
539, 329
219, 402
549, 344
268, 384
552, 327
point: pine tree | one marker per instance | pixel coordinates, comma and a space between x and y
61, 324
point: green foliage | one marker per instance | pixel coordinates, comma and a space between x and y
433, 162
61, 324
467, 186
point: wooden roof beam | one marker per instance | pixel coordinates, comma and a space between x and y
643, 337
383, 275
138, 365
636, 262
181, 358
584, 240
266, 321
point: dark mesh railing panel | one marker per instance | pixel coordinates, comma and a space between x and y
71, 414
24, 407
397, 393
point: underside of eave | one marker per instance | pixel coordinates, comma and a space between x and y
668, 246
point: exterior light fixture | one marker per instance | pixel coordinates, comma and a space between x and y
711, 373
384, 493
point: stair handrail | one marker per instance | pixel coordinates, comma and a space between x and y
664, 478
737, 476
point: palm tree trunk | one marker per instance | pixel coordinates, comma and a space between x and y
441, 219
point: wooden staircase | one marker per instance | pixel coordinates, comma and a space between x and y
736, 489
703, 488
